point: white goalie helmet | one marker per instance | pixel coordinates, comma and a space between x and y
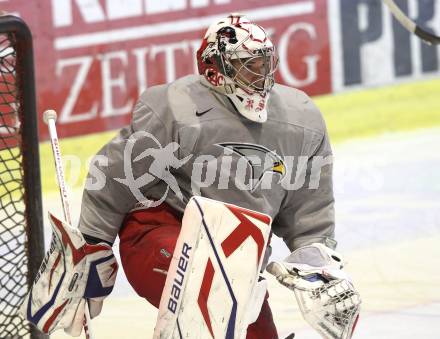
238, 59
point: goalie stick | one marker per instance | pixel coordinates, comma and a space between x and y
49, 118
410, 25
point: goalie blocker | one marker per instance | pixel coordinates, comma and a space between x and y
212, 287
71, 273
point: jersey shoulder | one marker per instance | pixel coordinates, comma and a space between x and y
179, 100
293, 106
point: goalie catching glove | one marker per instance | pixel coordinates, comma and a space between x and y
325, 294
72, 273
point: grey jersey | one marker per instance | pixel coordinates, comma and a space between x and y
185, 139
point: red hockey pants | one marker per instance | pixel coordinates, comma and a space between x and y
147, 241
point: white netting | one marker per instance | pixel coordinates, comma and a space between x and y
13, 258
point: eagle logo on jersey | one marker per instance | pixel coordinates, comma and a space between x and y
260, 159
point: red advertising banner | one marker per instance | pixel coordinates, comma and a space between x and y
93, 58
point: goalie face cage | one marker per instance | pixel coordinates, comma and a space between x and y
21, 223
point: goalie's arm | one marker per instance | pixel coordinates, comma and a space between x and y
308, 214
104, 207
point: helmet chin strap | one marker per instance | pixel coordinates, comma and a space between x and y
251, 106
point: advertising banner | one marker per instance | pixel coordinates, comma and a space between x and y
94, 57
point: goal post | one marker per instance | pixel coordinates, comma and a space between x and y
21, 219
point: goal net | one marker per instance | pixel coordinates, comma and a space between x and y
21, 231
